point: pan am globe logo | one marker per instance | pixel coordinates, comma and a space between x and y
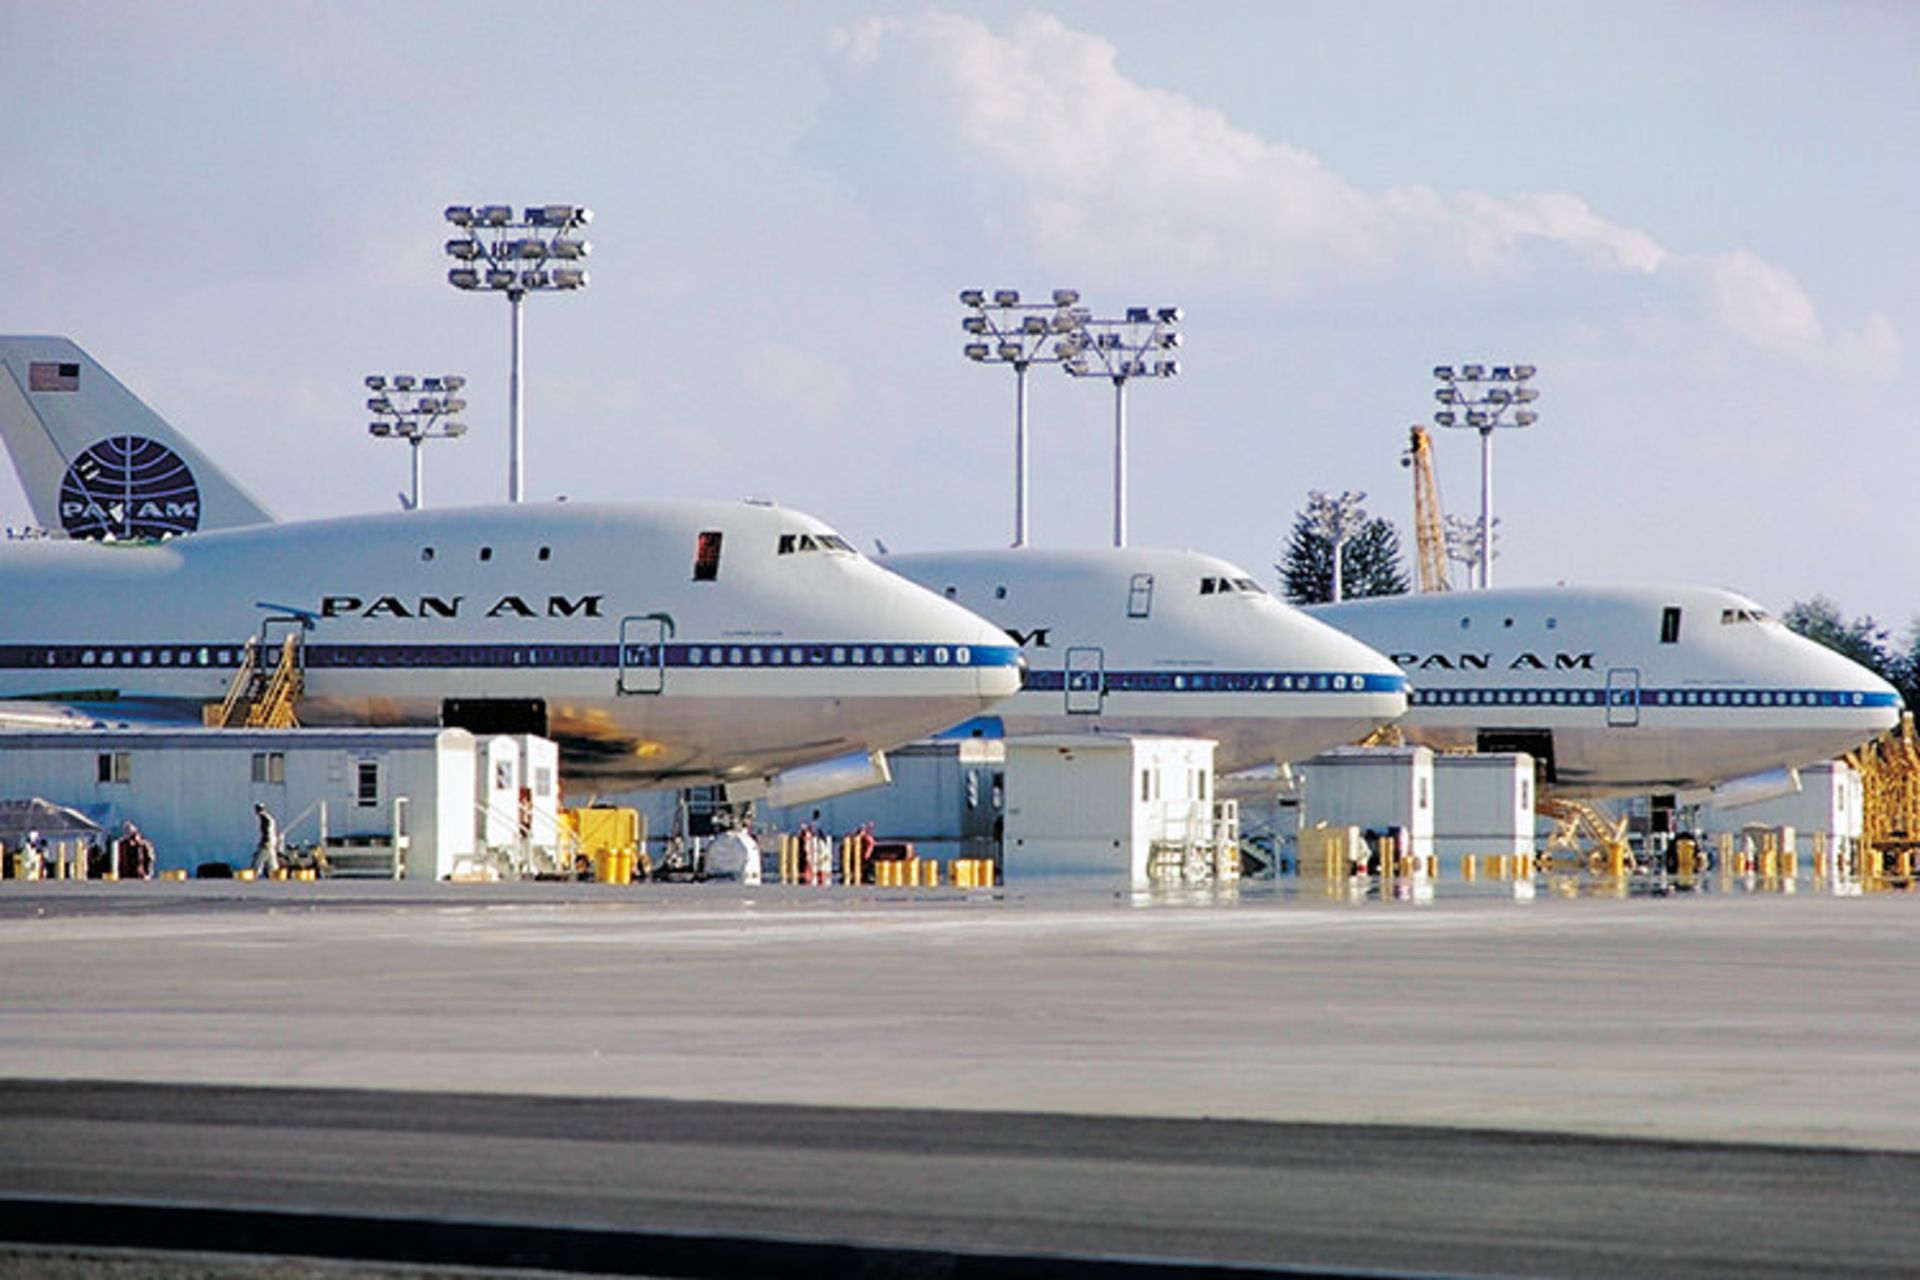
129, 487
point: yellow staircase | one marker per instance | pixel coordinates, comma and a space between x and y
261, 697
1594, 841
1890, 789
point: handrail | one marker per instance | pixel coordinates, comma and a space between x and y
242, 680
273, 709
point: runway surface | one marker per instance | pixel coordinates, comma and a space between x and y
1697, 1085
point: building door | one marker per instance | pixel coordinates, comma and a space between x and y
1086, 680
1623, 697
643, 653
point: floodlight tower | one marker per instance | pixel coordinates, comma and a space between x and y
1003, 330
415, 410
499, 253
1505, 387
1463, 542
1336, 518
1119, 350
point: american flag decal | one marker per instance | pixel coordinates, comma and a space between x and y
51, 375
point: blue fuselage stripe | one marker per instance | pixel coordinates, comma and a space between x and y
316, 656
1657, 699
1211, 682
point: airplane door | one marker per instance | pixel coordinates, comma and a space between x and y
643, 654
1086, 680
1623, 697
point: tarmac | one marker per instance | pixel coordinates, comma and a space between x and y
1644, 1045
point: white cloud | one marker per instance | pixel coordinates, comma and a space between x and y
1099, 175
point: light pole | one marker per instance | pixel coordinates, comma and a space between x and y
1463, 542
1003, 330
1483, 397
1336, 519
499, 253
1118, 349
415, 410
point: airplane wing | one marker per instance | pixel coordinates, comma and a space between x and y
54, 714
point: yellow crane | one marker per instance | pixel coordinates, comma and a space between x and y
1429, 522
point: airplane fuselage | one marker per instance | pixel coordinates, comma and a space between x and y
1621, 690
1167, 642
664, 643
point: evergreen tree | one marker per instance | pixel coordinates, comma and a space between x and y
1370, 563
1862, 639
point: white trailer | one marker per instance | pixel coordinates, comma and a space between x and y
1483, 804
1378, 789
192, 791
1099, 804
1830, 804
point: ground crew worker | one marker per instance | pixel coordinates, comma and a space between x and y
266, 854
134, 856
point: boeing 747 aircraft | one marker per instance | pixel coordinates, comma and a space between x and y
660, 642
1121, 640
1621, 690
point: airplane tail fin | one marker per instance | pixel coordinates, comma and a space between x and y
96, 462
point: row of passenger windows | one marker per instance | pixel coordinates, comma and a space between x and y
1198, 682
148, 657
1625, 696
1527, 697
1749, 698
808, 655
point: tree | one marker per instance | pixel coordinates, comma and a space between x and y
1862, 639
1370, 563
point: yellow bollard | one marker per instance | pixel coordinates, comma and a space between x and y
1469, 867
174, 873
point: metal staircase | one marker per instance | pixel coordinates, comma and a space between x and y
261, 696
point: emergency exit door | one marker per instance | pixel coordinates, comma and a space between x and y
1086, 681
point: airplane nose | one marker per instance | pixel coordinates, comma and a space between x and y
1002, 667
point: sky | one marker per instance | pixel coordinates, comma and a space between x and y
1697, 221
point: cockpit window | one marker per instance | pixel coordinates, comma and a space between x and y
1729, 617
792, 543
1230, 586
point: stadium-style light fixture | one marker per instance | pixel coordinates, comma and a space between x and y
1336, 518
1120, 351
1004, 330
415, 410
1478, 399
488, 259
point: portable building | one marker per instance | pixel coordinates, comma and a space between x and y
517, 799
946, 798
1830, 804
1378, 789
192, 791
1483, 804
1099, 804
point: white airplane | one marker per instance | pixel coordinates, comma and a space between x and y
659, 643
1621, 690
1167, 642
